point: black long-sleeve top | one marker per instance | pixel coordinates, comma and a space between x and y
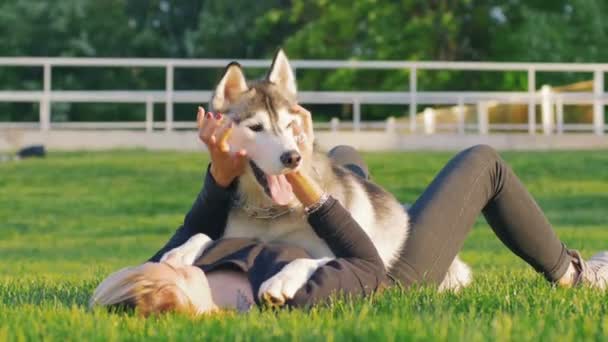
357, 269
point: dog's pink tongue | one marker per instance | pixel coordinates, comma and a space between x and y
280, 189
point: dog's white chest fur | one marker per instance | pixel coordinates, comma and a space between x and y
292, 229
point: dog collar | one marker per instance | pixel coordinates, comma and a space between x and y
263, 213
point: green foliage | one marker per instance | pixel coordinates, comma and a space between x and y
489, 30
72, 218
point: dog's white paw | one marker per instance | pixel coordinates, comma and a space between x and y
459, 276
189, 252
281, 287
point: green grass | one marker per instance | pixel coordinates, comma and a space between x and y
69, 220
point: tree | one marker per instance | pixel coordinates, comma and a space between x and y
490, 30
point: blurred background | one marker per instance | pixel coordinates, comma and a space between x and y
462, 98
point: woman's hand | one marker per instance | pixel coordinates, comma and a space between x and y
303, 133
214, 131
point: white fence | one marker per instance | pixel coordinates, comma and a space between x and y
551, 103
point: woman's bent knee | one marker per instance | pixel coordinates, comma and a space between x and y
482, 152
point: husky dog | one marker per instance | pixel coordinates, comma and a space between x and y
267, 210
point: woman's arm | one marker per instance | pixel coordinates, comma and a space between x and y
209, 212
344, 236
208, 215
357, 270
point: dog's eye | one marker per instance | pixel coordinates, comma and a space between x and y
256, 127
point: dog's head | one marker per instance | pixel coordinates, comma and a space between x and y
263, 123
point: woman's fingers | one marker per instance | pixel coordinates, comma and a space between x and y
306, 117
240, 159
205, 125
299, 135
222, 134
303, 133
214, 130
200, 121
297, 129
242, 153
200, 114
209, 127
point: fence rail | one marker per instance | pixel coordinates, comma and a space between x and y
551, 103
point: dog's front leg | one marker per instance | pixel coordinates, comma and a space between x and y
187, 253
283, 286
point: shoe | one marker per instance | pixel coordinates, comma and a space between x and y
592, 273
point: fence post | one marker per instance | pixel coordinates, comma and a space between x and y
531, 101
334, 124
45, 103
413, 99
598, 103
391, 125
546, 109
460, 115
429, 120
482, 118
169, 97
149, 114
356, 116
559, 112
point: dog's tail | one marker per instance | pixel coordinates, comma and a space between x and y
459, 275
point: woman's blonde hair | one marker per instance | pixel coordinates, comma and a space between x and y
133, 288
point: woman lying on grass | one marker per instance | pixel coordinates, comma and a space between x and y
231, 271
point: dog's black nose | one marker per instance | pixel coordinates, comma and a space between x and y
291, 159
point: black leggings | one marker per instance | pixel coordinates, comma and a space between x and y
475, 181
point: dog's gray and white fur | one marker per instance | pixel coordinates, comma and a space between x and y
260, 111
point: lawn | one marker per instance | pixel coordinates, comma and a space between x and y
70, 219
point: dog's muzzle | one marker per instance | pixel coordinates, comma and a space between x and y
260, 176
291, 159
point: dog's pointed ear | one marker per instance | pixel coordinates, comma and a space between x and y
281, 73
231, 86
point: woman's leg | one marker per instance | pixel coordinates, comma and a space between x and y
476, 181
